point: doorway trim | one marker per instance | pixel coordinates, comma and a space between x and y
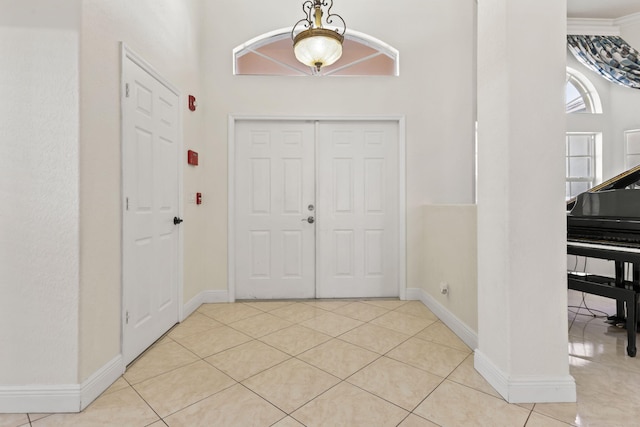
129, 54
402, 199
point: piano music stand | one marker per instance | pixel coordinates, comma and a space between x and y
623, 291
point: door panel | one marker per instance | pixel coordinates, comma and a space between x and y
150, 188
275, 248
357, 209
350, 169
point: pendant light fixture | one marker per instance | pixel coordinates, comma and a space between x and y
315, 45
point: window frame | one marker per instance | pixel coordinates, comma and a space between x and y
594, 157
587, 92
253, 45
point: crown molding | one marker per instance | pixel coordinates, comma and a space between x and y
600, 27
593, 27
633, 19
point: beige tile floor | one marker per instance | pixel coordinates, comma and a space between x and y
346, 363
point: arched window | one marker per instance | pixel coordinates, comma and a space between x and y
583, 149
581, 96
272, 54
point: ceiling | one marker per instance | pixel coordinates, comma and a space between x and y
607, 9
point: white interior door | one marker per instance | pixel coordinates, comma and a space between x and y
344, 174
358, 205
151, 201
275, 245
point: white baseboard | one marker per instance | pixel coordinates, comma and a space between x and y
513, 389
525, 389
60, 397
75, 397
464, 332
204, 297
101, 380
40, 398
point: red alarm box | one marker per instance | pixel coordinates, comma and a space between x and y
192, 158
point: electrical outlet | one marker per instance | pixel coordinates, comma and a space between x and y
444, 288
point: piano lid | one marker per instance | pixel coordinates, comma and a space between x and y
618, 182
618, 203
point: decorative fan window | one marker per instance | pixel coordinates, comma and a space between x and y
271, 54
581, 95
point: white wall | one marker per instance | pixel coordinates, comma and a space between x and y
625, 102
434, 91
630, 30
165, 33
39, 149
451, 257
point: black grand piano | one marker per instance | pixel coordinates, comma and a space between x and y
604, 223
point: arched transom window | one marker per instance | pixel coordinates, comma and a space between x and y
581, 95
272, 54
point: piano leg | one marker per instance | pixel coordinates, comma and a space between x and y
632, 325
632, 312
620, 317
630, 302
635, 283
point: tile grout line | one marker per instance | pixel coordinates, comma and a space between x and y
252, 339
337, 337
299, 323
289, 414
409, 412
150, 407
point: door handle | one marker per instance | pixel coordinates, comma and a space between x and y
177, 220
310, 220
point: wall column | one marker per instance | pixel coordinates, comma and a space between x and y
39, 181
522, 290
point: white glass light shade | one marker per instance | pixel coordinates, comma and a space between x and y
318, 46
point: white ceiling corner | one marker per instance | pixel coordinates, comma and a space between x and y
602, 9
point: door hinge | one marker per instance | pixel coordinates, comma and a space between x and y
127, 203
126, 90
126, 318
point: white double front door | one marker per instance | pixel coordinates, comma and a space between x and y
316, 211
